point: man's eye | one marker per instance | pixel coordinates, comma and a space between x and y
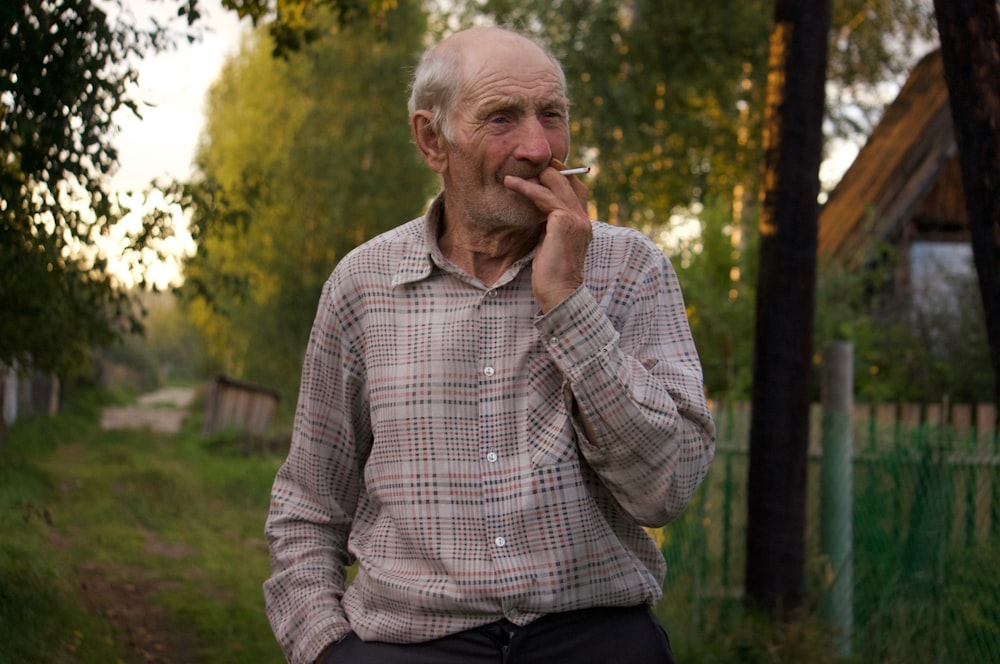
499, 119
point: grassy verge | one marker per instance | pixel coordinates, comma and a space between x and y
131, 546
126, 546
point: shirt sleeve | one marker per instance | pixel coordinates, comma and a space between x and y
634, 381
314, 496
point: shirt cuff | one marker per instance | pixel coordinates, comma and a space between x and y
328, 632
576, 331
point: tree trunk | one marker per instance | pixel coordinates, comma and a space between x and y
779, 426
970, 49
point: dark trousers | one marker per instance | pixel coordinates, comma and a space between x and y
589, 636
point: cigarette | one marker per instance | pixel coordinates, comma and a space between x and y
575, 171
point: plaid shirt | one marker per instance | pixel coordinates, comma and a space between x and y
439, 441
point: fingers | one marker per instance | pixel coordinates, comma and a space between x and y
553, 191
580, 189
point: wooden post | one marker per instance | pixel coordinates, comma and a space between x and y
986, 472
836, 487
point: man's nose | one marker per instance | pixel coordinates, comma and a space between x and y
533, 144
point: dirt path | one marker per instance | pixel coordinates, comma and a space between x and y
129, 597
163, 411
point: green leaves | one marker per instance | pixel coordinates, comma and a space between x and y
658, 89
303, 158
65, 71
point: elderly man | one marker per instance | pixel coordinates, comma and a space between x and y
496, 398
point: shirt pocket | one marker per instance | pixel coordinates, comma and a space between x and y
550, 433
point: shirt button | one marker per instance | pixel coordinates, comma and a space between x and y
492, 457
513, 613
553, 340
489, 371
500, 541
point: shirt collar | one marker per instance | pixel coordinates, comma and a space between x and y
425, 253
419, 260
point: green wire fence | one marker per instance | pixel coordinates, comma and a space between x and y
924, 531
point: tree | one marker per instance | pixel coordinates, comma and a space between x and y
287, 187
661, 95
65, 71
970, 49
719, 301
874, 43
292, 24
668, 97
668, 104
782, 361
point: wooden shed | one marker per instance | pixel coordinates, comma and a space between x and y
233, 404
905, 185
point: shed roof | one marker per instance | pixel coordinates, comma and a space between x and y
907, 167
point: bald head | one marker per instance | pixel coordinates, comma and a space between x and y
446, 69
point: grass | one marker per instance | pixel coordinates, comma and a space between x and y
132, 546
129, 546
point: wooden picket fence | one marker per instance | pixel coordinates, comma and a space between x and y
882, 426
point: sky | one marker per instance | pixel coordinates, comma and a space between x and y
174, 85
171, 94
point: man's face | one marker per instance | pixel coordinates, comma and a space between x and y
512, 120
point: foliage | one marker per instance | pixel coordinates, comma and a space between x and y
661, 94
873, 46
289, 186
903, 353
717, 271
169, 350
128, 365
907, 347
933, 352
173, 340
671, 91
66, 68
293, 24
668, 107
756, 639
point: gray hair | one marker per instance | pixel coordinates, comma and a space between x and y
439, 78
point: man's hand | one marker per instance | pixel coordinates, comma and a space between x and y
558, 263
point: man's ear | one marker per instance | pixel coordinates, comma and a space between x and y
429, 141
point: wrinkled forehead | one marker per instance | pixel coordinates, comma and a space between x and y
511, 67
488, 52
